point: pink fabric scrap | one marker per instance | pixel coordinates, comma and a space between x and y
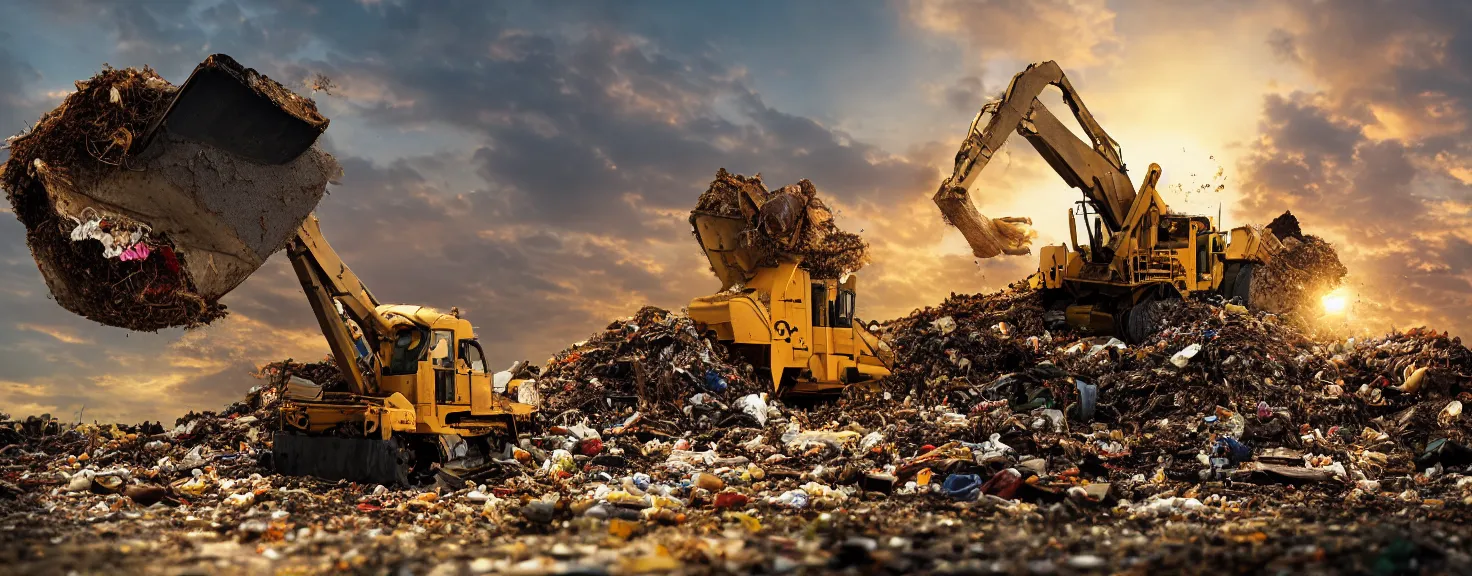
139, 251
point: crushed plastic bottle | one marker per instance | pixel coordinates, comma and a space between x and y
1231, 451
1088, 398
794, 499
714, 381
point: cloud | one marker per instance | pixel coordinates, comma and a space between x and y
1077, 33
1373, 158
14, 75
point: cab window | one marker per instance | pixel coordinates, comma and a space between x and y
844, 315
440, 353
470, 351
1173, 233
409, 345
819, 305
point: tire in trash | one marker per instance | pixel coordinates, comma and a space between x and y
1242, 286
1139, 322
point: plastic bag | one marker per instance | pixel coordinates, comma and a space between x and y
962, 487
753, 405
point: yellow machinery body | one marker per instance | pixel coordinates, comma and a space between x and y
435, 382
1135, 250
779, 318
1155, 254
419, 391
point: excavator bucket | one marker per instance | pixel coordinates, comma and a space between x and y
720, 236
235, 109
361, 460
145, 203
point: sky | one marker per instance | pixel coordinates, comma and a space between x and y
533, 162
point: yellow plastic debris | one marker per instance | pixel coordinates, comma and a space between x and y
194, 487
651, 564
621, 497
747, 521
621, 529
665, 502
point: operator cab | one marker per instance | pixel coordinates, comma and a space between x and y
833, 304
1192, 238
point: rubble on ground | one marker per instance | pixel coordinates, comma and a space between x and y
1232, 438
87, 180
655, 363
1307, 268
1303, 269
783, 224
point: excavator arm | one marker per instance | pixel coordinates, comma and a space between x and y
328, 281
1094, 168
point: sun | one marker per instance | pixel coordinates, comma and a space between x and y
1335, 302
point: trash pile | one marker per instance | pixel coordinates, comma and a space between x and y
88, 180
996, 446
783, 224
653, 364
1305, 269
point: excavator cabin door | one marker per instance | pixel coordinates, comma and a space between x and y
471, 369
442, 361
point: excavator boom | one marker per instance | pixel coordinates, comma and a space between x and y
1093, 167
327, 280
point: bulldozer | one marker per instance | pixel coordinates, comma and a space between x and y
226, 175
801, 330
1135, 252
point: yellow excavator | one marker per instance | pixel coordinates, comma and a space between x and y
803, 330
1135, 252
419, 393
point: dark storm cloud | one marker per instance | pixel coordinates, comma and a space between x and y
1281, 41
572, 126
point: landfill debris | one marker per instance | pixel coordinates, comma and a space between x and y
1298, 275
1239, 445
650, 372
786, 223
86, 181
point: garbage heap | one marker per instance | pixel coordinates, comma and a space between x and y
654, 363
136, 226
786, 223
1235, 432
1218, 393
1305, 269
